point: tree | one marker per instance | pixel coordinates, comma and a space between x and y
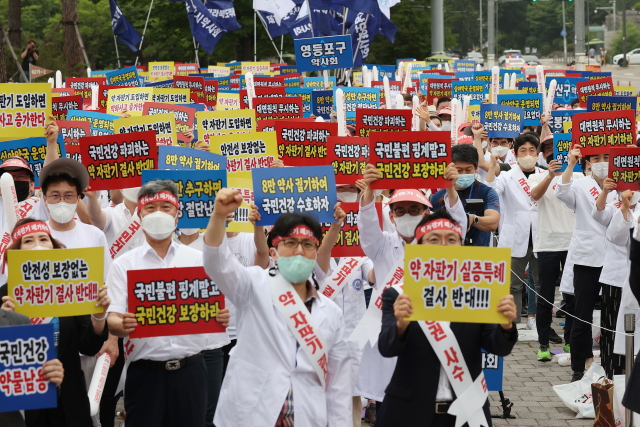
3, 65
633, 40
72, 50
15, 23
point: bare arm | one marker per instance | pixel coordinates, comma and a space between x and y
330, 239
227, 201
51, 133
96, 214
35, 55
478, 134
451, 174
82, 213
607, 186
24, 54
488, 222
538, 191
546, 131
574, 156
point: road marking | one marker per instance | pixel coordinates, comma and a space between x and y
628, 74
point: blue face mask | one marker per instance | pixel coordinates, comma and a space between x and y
296, 269
465, 180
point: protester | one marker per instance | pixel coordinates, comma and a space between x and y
442, 103
445, 117
29, 56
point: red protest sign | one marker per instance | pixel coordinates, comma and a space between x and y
276, 67
270, 125
185, 116
348, 156
303, 143
410, 159
141, 68
73, 130
185, 69
117, 161
624, 167
594, 87
195, 86
263, 81
173, 301
61, 104
73, 152
597, 132
381, 120
437, 88
63, 91
289, 107
82, 85
261, 92
103, 95
348, 243
211, 93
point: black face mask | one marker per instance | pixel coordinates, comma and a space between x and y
22, 190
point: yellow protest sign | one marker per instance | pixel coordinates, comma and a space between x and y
256, 68
567, 126
624, 91
357, 78
163, 124
24, 109
246, 151
171, 95
228, 101
214, 123
512, 92
56, 283
241, 215
474, 113
159, 71
130, 99
457, 283
219, 71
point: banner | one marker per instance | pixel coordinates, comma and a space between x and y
598, 132
56, 283
256, 68
61, 92
410, 159
171, 95
493, 367
292, 80
305, 190
219, 71
123, 77
278, 108
62, 104
181, 158
594, 87
624, 91
438, 88
288, 69
323, 53
303, 93
624, 167
276, 81
612, 103
530, 103
35, 72
117, 161
24, 349
159, 71
194, 84
184, 116
101, 124
359, 97
173, 301
476, 90
164, 126
566, 89
349, 157
558, 117
228, 101
24, 109
303, 143
562, 144
205, 29
467, 65
130, 99
82, 85
32, 150
321, 103
72, 131
348, 243
196, 192
215, 123
382, 120
182, 69
457, 283
501, 121
246, 152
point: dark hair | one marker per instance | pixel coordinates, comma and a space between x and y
288, 221
31, 41
407, 97
443, 99
437, 214
523, 139
509, 140
17, 245
464, 153
156, 186
63, 177
575, 101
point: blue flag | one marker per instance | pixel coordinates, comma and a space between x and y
369, 7
301, 28
324, 23
361, 36
387, 28
122, 29
224, 12
273, 28
204, 26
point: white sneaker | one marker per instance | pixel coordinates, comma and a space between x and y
531, 323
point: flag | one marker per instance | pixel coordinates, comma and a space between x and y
273, 28
386, 27
204, 26
301, 28
324, 23
35, 72
364, 33
224, 12
279, 8
369, 7
386, 5
122, 29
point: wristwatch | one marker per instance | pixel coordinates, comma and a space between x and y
475, 219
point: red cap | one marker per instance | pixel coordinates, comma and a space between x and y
15, 163
409, 195
445, 111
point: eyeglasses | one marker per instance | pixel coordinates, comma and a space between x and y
413, 211
307, 245
68, 198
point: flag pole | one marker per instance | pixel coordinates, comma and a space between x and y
255, 37
281, 47
310, 23
355, 55
117, 53
195, 47
264, 24
144, 31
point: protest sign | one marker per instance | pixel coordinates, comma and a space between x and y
476, 90
185, 69
624, 167
256, 68
103, 95
73, 130
215, 123
464, 65
474, 112
170, 95
303, 93
357, 78
359, 97
219, 71
531, 103
291, 81
224, 83
270, 125
562, 144
61, 92
181, 158
260, 92
73, 152
382, 120
123, 77
492, 367
184, 116
456, 283
348, 243
62, 104
276, 81
117, 161
211, 93
410, 159
32, 150
228, 101
501, 121
246, 151
567, 127
594, 87
82, 85
349, 157
196, 193
99, 73
611, 103
558, 117
164, 126
101, 124
323, 53
624, 91
24, 349
241, 215
590, 75
24, 109
289, 69
159, 71
307, 190
128, 99
237, 82
195, 86
164, 84
318, 82
438, 88
289, 107
464, 76
528, 87
566, 88
303, 143
322, 103
173, 301
61, 282
598, 132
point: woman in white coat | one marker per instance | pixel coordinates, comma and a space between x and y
291, 360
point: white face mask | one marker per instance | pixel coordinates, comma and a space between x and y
158, 225
62, 212
406, 224
377, 192
131, 194
348, 197
39, 248
527, 162
601, 170
500, 150
189, 231
446, 126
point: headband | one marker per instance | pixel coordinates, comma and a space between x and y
30, 228
162, 196
298, 231
437, 224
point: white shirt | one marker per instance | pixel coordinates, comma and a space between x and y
118, 217
555, 221
39, 212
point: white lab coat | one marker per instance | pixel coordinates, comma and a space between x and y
267, 361
519, 212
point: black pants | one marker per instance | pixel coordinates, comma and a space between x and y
570, 309
549, 268
587, 288
109, 399
214, 362
612, 363
225, 360
153, 396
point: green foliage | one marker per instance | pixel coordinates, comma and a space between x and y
633, 41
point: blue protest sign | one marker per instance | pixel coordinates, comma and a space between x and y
161, 84
561, 146
558, 117
224, 83
180, 158
305, 94
318, 82
359, 97
464, 65
493, 367
323, 53
611, 103
123, 77
33, 150
566, 89
501, 121
388, 71
398, 61
309, 190
101, 123
474, 89
590, 75
292, 81
322, 103
205, 75
529, 87
464, 76
23, 351
288, 69
100, 73
531, 103
196, 191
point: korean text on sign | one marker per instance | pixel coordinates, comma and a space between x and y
611, 103
278, 108
598, 132
33, 150
323, 53
382, 120
215, 123
245, 152
349, 157
458, 284
558, 117
184, 116
562, 144
181, 158
502, 121
164, 125
624, 167
531, 103
348, 243
594, 87
24, 109
303, 143
359, 97
72, 131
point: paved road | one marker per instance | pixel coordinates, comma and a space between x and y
629, 76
